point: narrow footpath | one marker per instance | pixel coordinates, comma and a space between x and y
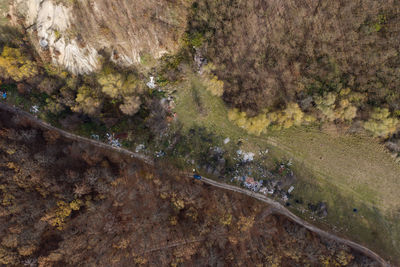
277, 207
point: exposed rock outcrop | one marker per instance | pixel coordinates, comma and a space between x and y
73, 32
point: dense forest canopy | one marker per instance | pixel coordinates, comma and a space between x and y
68, 203
270, 53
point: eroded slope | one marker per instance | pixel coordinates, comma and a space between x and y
72, 33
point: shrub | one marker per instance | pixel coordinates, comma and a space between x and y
49, 85
381, 124
292, 115
58, 217
15, 65
337, 106
215, 86
124, 87
88, 100
53, 105
245, 223
131, 105
226, 219
193, 39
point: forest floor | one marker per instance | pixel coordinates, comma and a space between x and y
345, 171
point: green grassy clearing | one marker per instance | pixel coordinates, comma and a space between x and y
346, 172
370, 226
357, 165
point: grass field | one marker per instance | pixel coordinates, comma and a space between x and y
344, 171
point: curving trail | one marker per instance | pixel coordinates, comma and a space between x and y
276, 206
280, 209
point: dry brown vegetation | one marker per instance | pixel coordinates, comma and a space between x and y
131, 28
269, 53
65, 203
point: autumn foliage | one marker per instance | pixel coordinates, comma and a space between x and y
67, 203
16, 65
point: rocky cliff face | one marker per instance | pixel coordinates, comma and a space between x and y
73, 32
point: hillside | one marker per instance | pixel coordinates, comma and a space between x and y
297, 101
74, 34
65, 203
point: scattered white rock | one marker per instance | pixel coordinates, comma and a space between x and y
285, 198
112, 140
291, 189
43, 43
247, 156
289, 162
227, 140
217, 149
160, 154
151, 84
34, 109
139, 148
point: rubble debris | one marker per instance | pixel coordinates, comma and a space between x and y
151, 84
113, 141
245, 156
34, 109
139, 148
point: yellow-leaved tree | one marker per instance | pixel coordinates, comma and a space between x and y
254, 125
131, 105
212, 83
215, 86
381, 124
88, 100
125, 87
16, 65
339, 107
326, 104
292, 115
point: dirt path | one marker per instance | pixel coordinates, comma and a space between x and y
277, 207
283, 211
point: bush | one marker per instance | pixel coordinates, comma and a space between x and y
292, 115
123, 87
337, 106
212, 83
15, 65
88, 100
131, 105
215, 86
381, 124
